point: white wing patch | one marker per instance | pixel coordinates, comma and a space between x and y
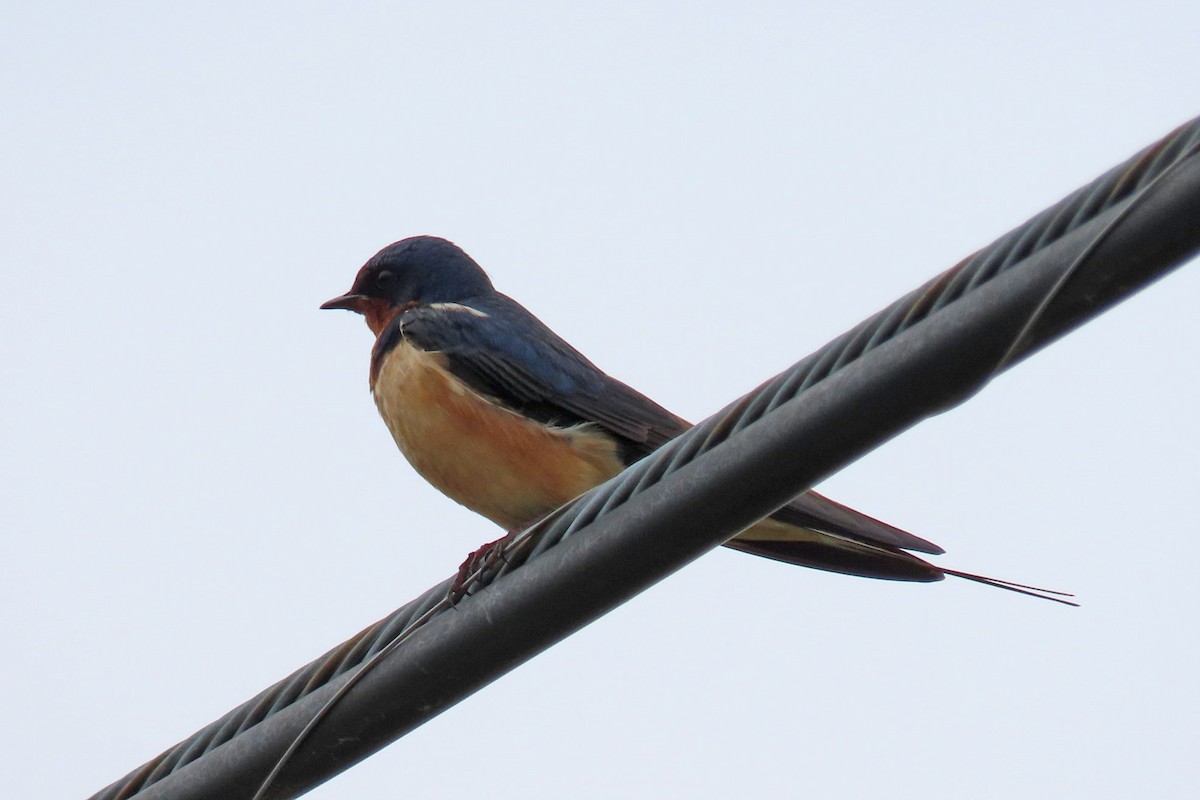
457, 307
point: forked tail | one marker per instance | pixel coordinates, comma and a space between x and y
1019, 588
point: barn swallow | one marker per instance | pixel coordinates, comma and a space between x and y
503, 416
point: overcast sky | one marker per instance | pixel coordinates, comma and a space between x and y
197, 496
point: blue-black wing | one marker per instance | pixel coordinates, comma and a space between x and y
505, 353
500, 350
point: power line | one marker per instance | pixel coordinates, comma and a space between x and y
923, 354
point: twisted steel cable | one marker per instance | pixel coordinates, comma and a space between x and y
1110, 190
1108, 197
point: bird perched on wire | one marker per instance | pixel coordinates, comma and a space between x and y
499, 413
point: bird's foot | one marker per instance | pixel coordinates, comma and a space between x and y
479, 566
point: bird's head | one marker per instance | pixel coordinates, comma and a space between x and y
416, 271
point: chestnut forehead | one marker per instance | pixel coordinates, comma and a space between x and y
368, 270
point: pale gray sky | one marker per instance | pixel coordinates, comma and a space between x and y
197, 496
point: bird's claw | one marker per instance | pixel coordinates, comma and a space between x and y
479, 567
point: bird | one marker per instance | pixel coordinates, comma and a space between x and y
503, 416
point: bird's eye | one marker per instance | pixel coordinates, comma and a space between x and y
385, 278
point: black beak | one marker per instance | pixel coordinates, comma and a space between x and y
348, 301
